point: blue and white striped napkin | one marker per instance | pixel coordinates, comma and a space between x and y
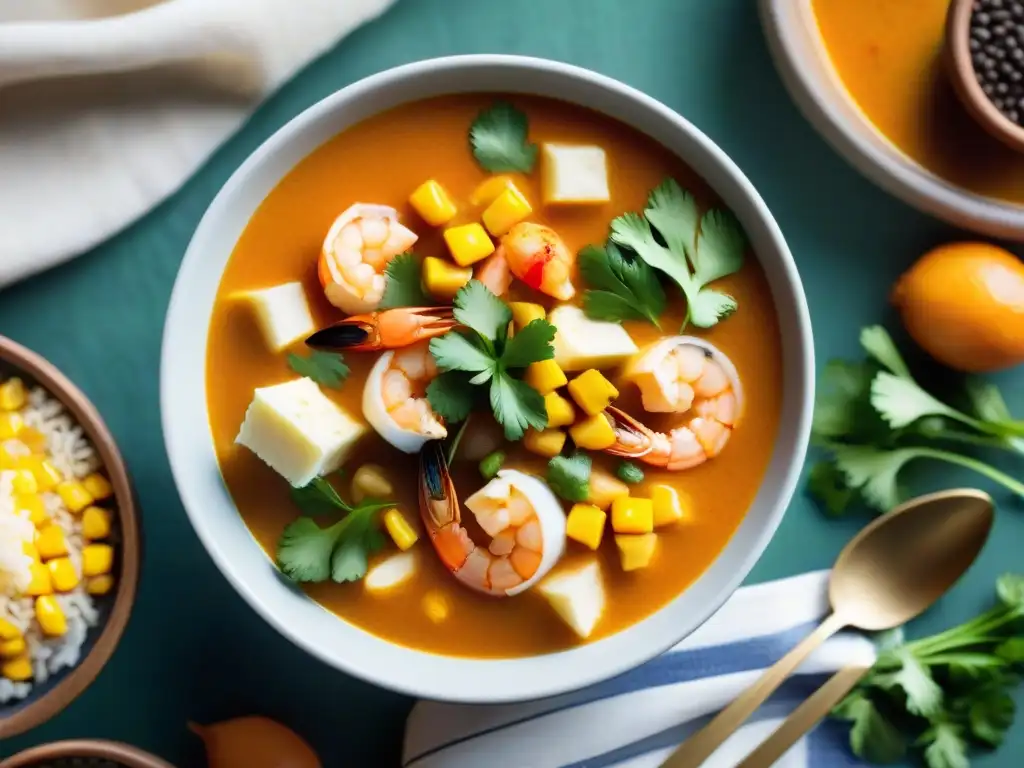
636, 719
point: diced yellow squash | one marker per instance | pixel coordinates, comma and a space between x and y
96, 522
41, 584
10, 649
436, 606
402, 533
585, 524
18, 669
548, 443
74, 495
35, 506
525, 312
468, 244
508, 209
50, 616
98, 486
442, 279
63, 574
7, 630
433, 203
33, 439
11, 424
97, 559
489, 189
668, 507
636, 550
545, 376
7, 459
631, 514
30, 549
46, 475
560, 411
50, 542
605, 488
593, 433
592, 391
25, 482
13, 395
99, 585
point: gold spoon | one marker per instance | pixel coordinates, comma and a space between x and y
893, 570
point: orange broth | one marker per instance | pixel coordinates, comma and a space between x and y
382, 160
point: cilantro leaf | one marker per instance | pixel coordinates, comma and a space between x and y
946, 747
901, 401
362, 538
477, 308
990, 715
924, 696
318, 497
451, 396
569, 476
828, 485
843, 404
673, 212
721, 244
879, 345
455, 352
404, 284
499, 140
986, 400
1010, 588
304, 550
623, 288
325, 368
531, 344
710, 306
516, 406
872, 736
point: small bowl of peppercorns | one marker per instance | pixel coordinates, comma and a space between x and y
984, 52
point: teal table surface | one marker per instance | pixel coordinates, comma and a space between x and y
193, 649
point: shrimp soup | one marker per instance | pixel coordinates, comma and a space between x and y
448, 388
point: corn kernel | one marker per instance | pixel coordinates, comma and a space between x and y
525, 312
585, 524
25, 481
468, 243
636, 550
436, 606
592, 391
63, 574
7, 459
18, 669
9, 649
605, 488
40, 583
548, 442
97, 559
98, 486
74, 495
33, 439
46, 475
30, 549
96, 523
632, 515
402, 533
50, 616
10, 425
7, 630
594, 433
560, 411
668, 507
545, 376
99, 585
371, 480
13, 395
433, 203
508, 209
34, 505
50, 542
442, 279
488, 190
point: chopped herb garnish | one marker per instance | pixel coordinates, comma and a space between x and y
404, 286
628, 472
499, 140
569, 476
697, 249
317, 498
491, 464
622, 287
325, 368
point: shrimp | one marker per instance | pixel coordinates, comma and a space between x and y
355, 253
395, 402
683, 375
389, 329
539, 257
518, 512
494, 273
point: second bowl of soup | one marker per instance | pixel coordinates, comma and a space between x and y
480, 393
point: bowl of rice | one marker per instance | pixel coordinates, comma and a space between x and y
69, 541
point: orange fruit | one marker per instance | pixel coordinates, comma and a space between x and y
963, 303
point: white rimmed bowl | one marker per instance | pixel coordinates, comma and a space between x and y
190, 444
808, 74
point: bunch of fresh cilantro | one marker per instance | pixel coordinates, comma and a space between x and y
482, 353
943, 693
499, 140
873, 418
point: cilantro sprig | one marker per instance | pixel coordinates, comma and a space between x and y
874, 418
498, 138
306, 552
483, 354
693, 250
944, 693
404, 286
325, 368
623, 287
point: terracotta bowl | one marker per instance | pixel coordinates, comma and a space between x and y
957, 54
49, 698
84, 753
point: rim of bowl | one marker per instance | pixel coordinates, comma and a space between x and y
75, 680
184, 409
794, 41
126, 754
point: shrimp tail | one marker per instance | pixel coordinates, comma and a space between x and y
389, 329
439, 507
633, 440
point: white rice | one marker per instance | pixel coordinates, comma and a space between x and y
70, 452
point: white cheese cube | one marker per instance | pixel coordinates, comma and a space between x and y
582, 343
389, 573
577, 596
298, 431
574, 174
282, 314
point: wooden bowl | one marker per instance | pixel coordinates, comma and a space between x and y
49, 698
960, 67
84, 753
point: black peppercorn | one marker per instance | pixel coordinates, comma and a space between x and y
997, 54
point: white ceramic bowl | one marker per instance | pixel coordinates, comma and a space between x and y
807, 71
190, 445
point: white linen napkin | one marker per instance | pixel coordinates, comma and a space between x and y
636, 719
102, 118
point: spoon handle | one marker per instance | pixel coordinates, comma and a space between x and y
699, 747
802, 719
